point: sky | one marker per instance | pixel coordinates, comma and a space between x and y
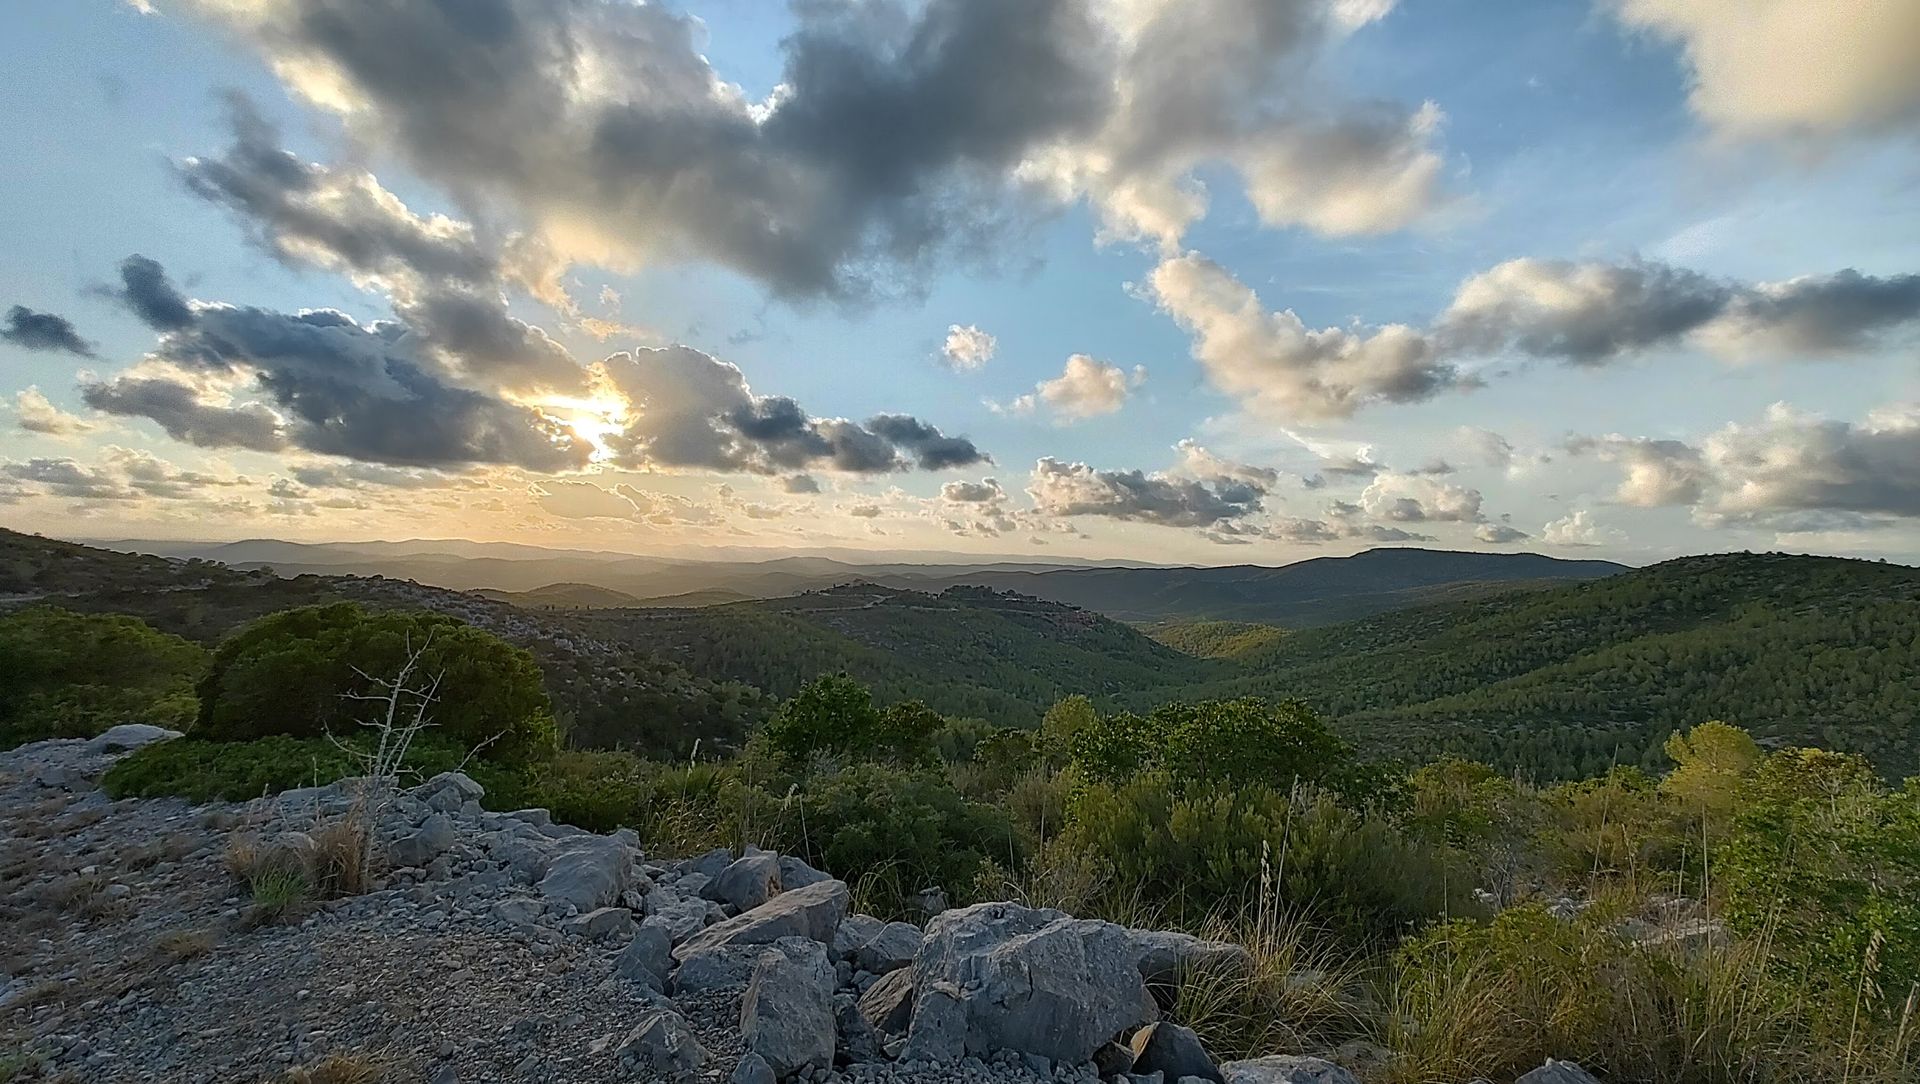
1184, 281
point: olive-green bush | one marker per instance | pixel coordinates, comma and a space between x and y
69, 675
292, 673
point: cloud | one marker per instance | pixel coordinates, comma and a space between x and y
1657, 472
799, 484
151, 296
1796, 462
1483, 446
126, 475
1086, 388
1577, 528
1592, 313
985, 491
330, 385
1500, 534
1408, 498
968, 348
897, 133
447, 287
1280, 367
692, 410
1786, 67
30, 330
35, 413
363, 476
1227, 86
1588, 314
1076, 489
1790, 469
583, 500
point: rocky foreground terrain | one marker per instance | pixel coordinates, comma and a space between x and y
504, 947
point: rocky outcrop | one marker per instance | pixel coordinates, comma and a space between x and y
504, 946
786, 1016
813, 912
1007, 977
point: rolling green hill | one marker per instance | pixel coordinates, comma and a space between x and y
1564, 681
966, 651
1555, 682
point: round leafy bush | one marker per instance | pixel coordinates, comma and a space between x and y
69, 675
297, 673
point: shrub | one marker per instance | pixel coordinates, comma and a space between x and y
69, 675
1825, 860
1214, 741
1202, 853
894, 832
290, 674
835, 714
206, 771
1493, 999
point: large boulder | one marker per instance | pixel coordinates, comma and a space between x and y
787, 1014
448, 792
888, 1003
747, 882
1556, 1071
1174, 1051
797, 874
648, 958
128, 736
718, 967
1033, 981
1165, 955
436, 834
589, 872
813, 912
1285, 1069
660, 1045
894, 947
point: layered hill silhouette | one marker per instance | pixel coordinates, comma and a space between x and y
1555, 681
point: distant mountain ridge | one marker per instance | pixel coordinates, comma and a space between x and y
1304, 594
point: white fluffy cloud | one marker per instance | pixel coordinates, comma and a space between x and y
1793, 67
1086, 388
1576, 528
1280, 367
968, 348
35, 413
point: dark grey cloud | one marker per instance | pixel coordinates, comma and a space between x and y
1592, 313
694, 410
338, 388
308, 213
32, 330
1076, 489
179, 410
66, 478
146, 290
930, 448
447, 286
903, 130
800, 484
896, 125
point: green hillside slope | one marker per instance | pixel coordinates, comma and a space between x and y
1796, 649
966, 651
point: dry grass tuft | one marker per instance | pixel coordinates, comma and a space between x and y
179, 946
341, 857
341, 1069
